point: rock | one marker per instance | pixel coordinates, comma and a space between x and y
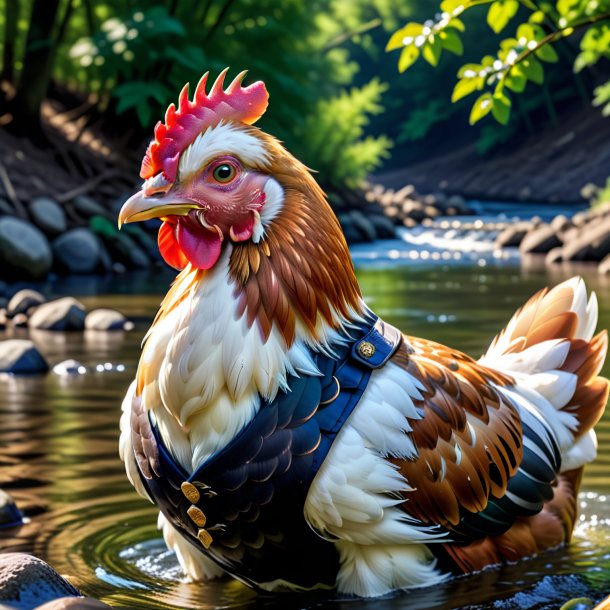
513, 235
3, 319
384, 227
74, 603
20, 320
77, 251
431, 211
48, 216
22, 300
539, 241
27, 582
350, 232
414, 210
404, 193
24, 251
604, 266
10, 515
62, 314
107, 319
459, 203
561, 224
20, 357
118, 268
593, 244
554, 256
69, 367
363, 225
87, 207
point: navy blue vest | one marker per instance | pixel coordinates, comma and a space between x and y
244, 506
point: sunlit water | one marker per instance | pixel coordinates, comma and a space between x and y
59, 438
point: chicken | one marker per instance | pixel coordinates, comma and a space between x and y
295, 441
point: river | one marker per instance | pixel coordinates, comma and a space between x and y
59, 438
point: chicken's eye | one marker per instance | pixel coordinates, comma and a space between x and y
223, 173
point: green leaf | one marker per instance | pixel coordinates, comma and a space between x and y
411, 30
584, 59
465, 87
500, 109
432, 50
452, 42
481, 108
500, 13
515, 80
547, 53
526, 31
448, 6
408, 57
469, 70
533, 69
458, 24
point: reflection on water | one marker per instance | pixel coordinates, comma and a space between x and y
59, 459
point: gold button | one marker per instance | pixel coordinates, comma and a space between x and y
205, 538
366, 349
197, 516
190, 492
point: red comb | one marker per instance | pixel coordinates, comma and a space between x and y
182, 126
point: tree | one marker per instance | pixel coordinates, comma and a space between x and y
37, 65
520, 58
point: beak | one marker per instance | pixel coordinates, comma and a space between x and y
139, 207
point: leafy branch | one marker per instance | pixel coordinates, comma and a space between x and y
519, 59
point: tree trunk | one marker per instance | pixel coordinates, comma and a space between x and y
11, 16
36, 73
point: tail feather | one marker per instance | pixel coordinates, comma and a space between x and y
549, 348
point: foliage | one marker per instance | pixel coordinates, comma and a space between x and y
422, 119
602, 195
520, 58
131, 59
335, 135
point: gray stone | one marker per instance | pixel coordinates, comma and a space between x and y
539, 241
27, 582
384, 227
593, 244
20, 357
20, 320
77, 251
22, 300
107, 319
554, 256
10, 515
48, 216
604, 266
24, 251
86, 206
69, 367
74, 603
364, 226
62, 314
513, 235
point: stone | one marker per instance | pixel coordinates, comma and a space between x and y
20, 357
384, 227
554, 256
20, 320
604, 266
404, 193
107, 319
22, 300
10, 515
87, 207
24, 250
593, 244
513, 235
48, 216
413, 209
27, 582
540, 240
62, 314
74, 603
3, 319
561, 224
69, 367
77, 251
364, 226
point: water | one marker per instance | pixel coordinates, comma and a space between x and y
59, 438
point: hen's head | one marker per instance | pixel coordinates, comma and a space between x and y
207, 173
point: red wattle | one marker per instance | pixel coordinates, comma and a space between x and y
200, 246
169, 248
